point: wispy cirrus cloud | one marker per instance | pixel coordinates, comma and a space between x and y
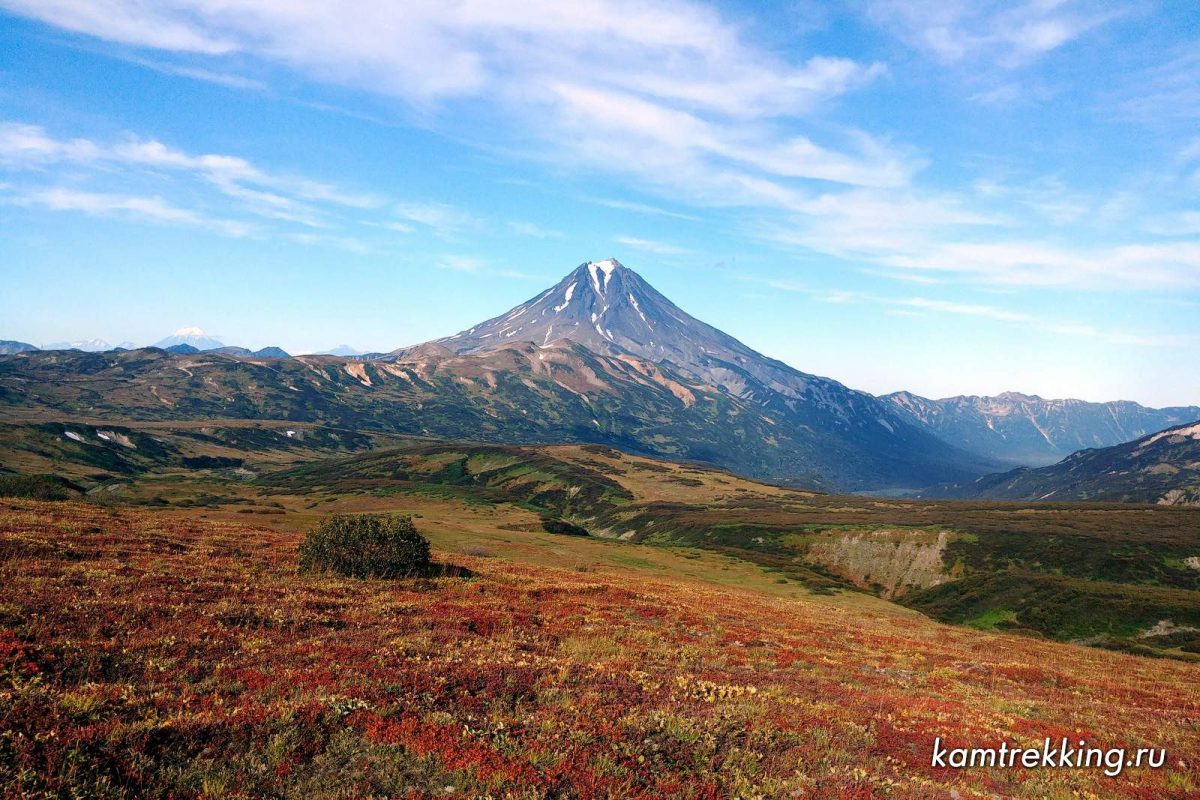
1155, 265
1168, 90
444, 220
651, 246
229, 80
677, 100
639, 208
919, 306
152, 209
1067, 328
1007, 34
29, 148
1180, 223
682, 53
157, 27
479, 266
533, 230
585, 80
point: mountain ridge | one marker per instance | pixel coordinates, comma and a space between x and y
1028, 430
600, 357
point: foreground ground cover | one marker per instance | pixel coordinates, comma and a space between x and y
146, 653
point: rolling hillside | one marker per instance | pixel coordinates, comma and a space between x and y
1105, 573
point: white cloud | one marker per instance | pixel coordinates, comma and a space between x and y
1007, 34
445, 221
28, 146
534, 231
1047, 196
668, 93
1066, 328
871, 225
651, 246
152, 209
227, 79
673, 146
480, 266
462, 263
150, 25
275, 196
1159, 265
918, 306
1169, 90
227, 170
1181, 223
637, 83
424, 49
965, 309
639, 208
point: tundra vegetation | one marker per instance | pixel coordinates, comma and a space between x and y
149, 653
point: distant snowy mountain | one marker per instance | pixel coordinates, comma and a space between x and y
190, 336
86, 345
1030, 430
343, 350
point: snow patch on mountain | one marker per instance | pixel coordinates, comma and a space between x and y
566, 298
194, 336
605, 268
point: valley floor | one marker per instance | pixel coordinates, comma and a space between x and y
163, 653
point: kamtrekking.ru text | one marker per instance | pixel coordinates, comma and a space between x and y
1051, 755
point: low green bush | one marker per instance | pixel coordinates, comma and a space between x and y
563, 527
365, 546
37, 487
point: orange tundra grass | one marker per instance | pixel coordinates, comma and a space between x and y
142, 655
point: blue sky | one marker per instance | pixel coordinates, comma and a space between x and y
950, 198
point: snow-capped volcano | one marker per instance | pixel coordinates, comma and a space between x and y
610, 309
607, 309
601, 304
193, 336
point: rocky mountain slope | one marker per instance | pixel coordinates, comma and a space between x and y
1027, 430
8, 347
1162, 468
